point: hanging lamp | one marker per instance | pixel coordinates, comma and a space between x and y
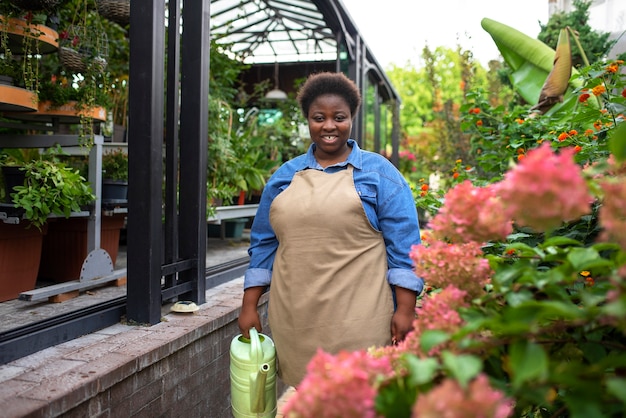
276, 93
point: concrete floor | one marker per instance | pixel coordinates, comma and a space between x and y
17, 313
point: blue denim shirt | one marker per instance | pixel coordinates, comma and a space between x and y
388, 203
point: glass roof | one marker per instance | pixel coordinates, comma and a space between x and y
263, 31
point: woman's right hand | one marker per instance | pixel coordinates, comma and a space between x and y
248, 318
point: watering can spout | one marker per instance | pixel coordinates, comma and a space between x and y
257, 388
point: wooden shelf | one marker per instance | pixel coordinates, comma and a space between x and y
16, 99
66, 114
17, 29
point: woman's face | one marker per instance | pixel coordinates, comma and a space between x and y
330, 124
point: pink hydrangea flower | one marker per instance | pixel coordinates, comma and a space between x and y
612, 214
471, 214
342, 385
450, 400
462, 265
545, 189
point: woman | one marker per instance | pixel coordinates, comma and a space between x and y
332, 235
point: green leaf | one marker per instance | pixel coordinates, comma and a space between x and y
587, 259
432, 338
617, 387
617, 142
421, 370
528, 362
530, 59
462, 367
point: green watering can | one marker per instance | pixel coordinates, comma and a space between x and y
253, 376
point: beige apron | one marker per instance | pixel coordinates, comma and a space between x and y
329, 287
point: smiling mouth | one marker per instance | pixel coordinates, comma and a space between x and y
329, 138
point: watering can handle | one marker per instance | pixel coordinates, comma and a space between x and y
256, 352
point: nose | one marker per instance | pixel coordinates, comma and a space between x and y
329, 125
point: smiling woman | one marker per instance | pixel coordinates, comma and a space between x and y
335, 224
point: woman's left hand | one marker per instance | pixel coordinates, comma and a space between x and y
403, 317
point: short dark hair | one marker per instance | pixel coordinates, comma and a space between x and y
329, 83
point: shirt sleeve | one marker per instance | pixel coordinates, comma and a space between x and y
397, 217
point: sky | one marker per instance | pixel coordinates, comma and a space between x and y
396, 31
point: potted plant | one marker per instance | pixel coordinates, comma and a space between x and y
65, 245
49, 188
114, 176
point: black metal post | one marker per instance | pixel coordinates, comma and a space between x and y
193, 144
145, 153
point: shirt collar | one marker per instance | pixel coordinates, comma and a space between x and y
355, 157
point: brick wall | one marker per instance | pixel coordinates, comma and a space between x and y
177, 368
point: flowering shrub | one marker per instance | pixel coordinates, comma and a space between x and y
525, 312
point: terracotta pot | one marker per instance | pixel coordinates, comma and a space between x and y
20, 253
65, 246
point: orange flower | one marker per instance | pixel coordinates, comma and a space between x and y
455, 175
577, 149
583, 97
422, 194
598, 125
624, 93
589, 281
612, 68
589, 132
520, 157
474, 111
424, 187
519, 121
510, 252
573, 132
598, 90
479, 122
563, 136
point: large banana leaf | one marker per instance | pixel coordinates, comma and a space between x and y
529, 59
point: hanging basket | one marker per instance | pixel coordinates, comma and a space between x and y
117, 11
82, 50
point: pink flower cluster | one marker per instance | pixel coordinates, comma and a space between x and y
341, 385
471, 214
545, 189
612, 214
450, 400
461, 265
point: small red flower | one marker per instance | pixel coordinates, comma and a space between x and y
583, 97
624, 93
577, 149
479, 122
598, 90
424, 187
455, 175
563, 136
